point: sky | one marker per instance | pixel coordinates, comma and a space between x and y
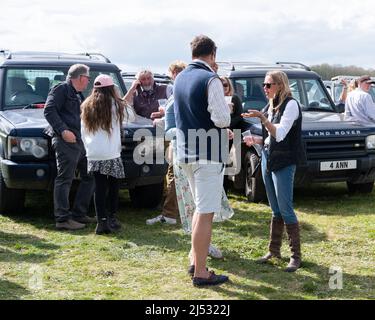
151, 34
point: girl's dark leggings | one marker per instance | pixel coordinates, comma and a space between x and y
106, 191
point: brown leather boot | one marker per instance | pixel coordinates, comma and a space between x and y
295, 247
276, 234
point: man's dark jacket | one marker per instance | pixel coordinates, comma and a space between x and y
62, 110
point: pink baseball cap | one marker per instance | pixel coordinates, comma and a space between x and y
103, 80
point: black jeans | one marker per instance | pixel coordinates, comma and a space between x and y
69, 158
106, 191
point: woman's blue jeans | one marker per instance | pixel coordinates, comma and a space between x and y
279, 189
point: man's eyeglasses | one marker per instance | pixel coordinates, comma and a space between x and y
268, 85
83, 75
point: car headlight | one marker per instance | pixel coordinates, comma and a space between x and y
370, 142
27, 146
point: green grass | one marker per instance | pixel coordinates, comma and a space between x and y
150, 262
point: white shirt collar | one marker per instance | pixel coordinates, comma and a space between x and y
204, 62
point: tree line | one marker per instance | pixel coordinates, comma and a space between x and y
327, 71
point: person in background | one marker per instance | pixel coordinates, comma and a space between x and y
62, 112
346, 89
144, 94
282, 150
169, 212
236, 104
353, 84
199, 104
359, 105
102, 117
178, 195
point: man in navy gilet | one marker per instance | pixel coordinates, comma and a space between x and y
201, 118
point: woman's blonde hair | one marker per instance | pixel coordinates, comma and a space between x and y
281, 80
177, 66
353, 84
231, 88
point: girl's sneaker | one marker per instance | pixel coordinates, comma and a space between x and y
113, 222
161, 219
102, 227
214, 252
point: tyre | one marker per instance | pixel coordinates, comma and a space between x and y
11, 200
254, 187
360, 187
148, 196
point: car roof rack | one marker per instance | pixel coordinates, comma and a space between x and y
346, 77
96, 54
55, 56
294, 65
238, 65
234, 65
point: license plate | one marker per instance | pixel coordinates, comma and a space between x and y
338, 165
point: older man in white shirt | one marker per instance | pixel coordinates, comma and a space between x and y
359, 105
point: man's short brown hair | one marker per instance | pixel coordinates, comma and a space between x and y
202, 46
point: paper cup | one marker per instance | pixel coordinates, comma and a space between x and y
228, 99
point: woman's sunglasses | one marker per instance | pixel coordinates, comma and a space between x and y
268, 85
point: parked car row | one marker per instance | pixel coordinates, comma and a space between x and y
337, 150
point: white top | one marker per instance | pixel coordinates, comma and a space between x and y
290, 115
360, 107
217, 107
100, 145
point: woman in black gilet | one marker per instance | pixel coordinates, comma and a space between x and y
282, 151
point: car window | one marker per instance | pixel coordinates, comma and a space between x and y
295, 89
317, 98
250, 91
94, 73
308, 92
25, 86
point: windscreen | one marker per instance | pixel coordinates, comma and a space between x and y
28, 86
308, 92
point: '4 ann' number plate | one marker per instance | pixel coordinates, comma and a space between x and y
338, 165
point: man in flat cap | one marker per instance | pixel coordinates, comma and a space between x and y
359, 105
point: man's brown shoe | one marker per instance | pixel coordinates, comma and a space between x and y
69, 225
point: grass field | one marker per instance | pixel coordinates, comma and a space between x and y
150, 262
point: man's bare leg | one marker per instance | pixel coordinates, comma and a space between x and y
201, 239
193, 225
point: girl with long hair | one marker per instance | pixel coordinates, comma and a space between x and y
102, 114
